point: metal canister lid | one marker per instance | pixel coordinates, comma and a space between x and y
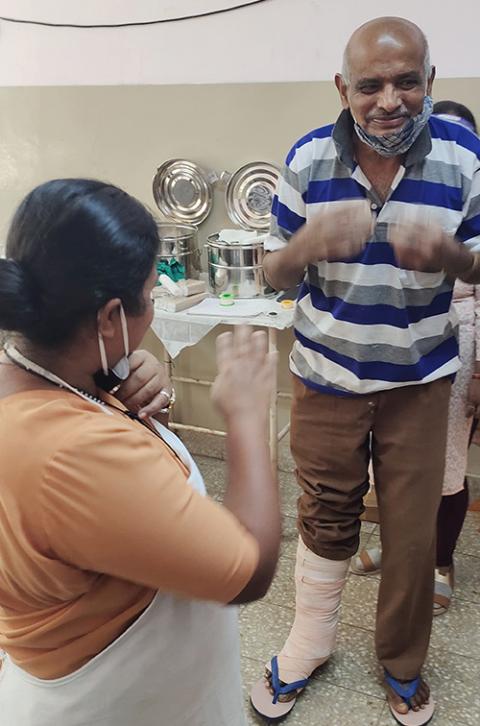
183, 191
249, 194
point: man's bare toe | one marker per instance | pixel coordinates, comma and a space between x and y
395, 700
421, 697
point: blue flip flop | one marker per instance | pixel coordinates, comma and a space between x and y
270, 707
406, 691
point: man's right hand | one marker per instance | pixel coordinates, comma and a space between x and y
340, 232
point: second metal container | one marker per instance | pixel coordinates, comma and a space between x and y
236, 267
179, 242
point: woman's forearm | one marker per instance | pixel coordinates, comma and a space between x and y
252, 495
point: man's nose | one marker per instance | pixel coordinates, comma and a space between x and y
389, 99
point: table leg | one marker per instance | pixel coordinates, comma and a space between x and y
272, 347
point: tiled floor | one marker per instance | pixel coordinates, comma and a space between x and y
347, 692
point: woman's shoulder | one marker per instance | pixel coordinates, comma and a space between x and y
41, 426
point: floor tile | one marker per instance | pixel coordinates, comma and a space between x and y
467, 578
264, 627
369, 526
282, 589
288, 546
458, 630
214, 446
214, 473
359, 602
289, 491
469, 540
354, 664
454, 680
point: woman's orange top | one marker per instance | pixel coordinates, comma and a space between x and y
95, 516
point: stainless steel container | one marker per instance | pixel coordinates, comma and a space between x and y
236, 267
179, 242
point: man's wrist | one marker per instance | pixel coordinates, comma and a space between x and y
302, 250
459, 261
471, 274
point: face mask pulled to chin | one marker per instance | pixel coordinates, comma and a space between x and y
400, 142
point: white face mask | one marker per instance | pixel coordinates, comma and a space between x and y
121, 369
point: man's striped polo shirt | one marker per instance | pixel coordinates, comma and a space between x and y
365, 324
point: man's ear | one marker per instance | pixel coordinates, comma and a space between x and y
342, 89
106, 317
430, 81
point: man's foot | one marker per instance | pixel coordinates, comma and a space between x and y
409, 701
418, 701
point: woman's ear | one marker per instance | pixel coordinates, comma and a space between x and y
106, 317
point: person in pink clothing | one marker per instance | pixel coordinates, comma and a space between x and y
464, 413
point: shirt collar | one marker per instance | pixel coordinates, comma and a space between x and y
343, 139
343, 132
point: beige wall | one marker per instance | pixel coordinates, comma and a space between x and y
122, 133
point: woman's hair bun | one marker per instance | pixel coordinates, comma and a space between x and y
19, 311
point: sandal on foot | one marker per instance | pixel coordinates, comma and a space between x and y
271, 707
406, 691
442, 596
368, 562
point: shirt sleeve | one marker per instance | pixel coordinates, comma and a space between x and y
288, 207
116, 501
469, 230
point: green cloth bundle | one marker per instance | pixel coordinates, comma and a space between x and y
172, 268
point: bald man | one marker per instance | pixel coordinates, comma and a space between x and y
376, 215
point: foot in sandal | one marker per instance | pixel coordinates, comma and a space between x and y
272, 698
367, 562
409, 701
444, 584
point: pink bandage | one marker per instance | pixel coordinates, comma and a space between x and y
319, 584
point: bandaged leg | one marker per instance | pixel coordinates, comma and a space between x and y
319, 583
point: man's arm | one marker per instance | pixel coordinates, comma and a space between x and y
284, 263
430, 249
338, 233
470, 266
469, 232
285, 267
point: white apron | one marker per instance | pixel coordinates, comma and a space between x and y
178, 664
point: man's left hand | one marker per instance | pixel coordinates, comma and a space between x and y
148, 388
428, 249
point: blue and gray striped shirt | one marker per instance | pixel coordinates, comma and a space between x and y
364, 324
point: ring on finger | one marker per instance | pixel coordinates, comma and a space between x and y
166, 393
171, 398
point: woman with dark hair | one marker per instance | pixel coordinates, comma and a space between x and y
115, 567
